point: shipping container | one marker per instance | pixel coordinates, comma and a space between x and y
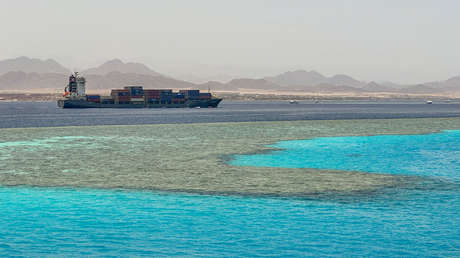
191, 94
137, 99
119, 99
123, 97
119, 92
151, 90
152, 97
107, 101
178, 101
135, 90
166, 95
93, 96
122, 100
152, 93
179, 95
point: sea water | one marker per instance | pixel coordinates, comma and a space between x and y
400, 222
413, 223
436, 154
38, 222
47, 114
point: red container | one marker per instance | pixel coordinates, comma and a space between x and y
152, 91
152, 96
123, 98
118, 90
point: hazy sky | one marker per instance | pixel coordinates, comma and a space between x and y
405, 41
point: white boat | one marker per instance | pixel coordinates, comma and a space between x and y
293, 102
429, 102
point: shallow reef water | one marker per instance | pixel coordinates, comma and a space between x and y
192, 157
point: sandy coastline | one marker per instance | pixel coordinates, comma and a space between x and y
246, 95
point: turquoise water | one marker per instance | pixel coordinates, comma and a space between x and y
37, 222
435, 154
398, 222
427, 223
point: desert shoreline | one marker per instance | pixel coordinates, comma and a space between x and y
246, 95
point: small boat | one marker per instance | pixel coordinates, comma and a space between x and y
293, 102
429, 102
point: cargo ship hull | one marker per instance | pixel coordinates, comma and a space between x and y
76, 103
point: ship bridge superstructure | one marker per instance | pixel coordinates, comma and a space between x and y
76, 89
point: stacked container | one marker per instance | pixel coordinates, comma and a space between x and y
107, 100
135, 91
118, 93
152, 94
137, 100
93, 98
191, 94
137, 95
166, 96
178, 98
121, 96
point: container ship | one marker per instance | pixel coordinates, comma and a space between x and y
133, 97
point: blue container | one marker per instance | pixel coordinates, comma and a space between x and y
135, 90
179, 95
193, 93
93, 96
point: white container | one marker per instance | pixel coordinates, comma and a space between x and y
137, 99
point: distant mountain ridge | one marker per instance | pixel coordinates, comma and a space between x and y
297, 78
24, 73
116, 65
312, 81
31, 65
313, 78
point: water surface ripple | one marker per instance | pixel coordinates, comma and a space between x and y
36, 114
71, 192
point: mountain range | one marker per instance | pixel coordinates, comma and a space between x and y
25, 73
